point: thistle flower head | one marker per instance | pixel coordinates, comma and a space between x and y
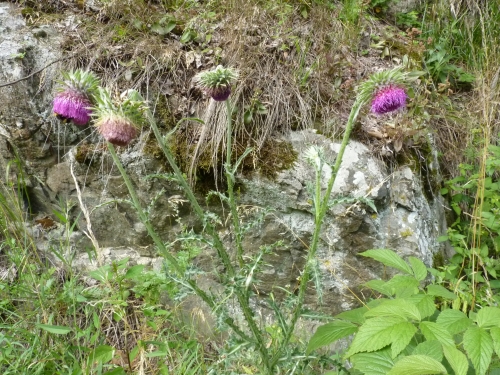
386, 90
389, 98
119, 120
217, 82
73, 101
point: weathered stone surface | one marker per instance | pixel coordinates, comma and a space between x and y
408, 218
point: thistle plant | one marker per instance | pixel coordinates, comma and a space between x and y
119, 121
74, 100
217, 82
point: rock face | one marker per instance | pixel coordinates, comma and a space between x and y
408, 219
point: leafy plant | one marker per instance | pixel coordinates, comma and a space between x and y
403, 332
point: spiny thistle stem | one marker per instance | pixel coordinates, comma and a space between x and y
161, 246
241, 294
230, 185
321, 210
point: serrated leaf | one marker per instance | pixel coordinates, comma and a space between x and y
403, 333
403, 285
375, 333
58, 330
329, 333
417, 365
375, 363
396, 307
456, 359
379, 286
454, 321
434, 331
495, 335
488, 317
440, 291
479, 347
354, 315
389, 258
134, 271
419, 268
432, 348
424, 304
103, 353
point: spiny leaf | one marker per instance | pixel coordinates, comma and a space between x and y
396, 307
456, 359
488, 317
376, 333
479, 346
434, 331
454, 321
375, 363
432, 348
440, 291
389, 258
417, 365
329, 333
418, 267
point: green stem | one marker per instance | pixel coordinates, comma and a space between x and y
241, 293
320, 214
230, 186
161, 246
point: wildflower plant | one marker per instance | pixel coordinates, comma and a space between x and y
74, 100
119, 121
217, 82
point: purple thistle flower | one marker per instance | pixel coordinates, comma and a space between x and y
220, 94
72, 105
117, 130
387, 99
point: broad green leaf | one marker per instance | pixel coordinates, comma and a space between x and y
58, 330
495, 335
389, 258
134, 271
403, 333
488, 317
376, 333
329, 333
434, 331
116, 371
354, 315
454, 321
396, 307
479, 346
379, 286
103, 353
403, 285
431, 348
417, 365
456, 359
375, 363
440, 291
424, 304
419, 268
